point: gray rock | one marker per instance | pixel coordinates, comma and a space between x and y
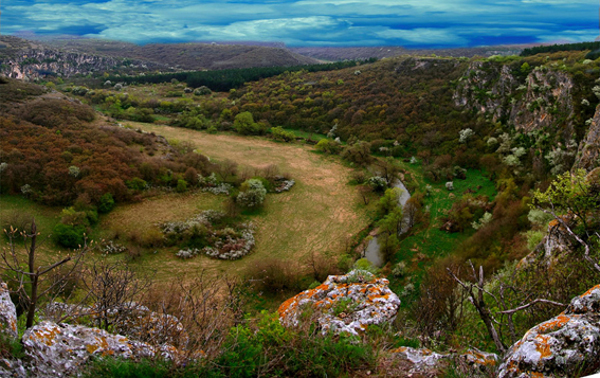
565, 346
347, 303
8, 312
58, 350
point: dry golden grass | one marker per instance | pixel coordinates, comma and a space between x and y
319, 214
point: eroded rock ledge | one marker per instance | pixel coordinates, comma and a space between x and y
346, 303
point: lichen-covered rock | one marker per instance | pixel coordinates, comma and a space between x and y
564, 346
8, 312
480, 359
419, 356
588, 156
347, 303
58, 350
130, 319
13, 368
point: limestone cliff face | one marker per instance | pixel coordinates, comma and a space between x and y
543, 98
27, 60
588, 156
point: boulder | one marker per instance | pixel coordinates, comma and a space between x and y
8, 312
565, 346
423, 362
346, 303
130, 319
58, 350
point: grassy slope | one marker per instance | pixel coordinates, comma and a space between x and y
318, 214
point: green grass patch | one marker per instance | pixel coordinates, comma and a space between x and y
46, 217
306, 135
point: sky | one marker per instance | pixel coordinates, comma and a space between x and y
409, 23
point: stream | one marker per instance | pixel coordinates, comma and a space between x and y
372, 252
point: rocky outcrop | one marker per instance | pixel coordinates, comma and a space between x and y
28, 60
423, 362
347, 303
8, 312
543, 99
58, 350
565, 346
130, 319
588, 156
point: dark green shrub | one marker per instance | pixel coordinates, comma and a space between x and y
110, 367
68, 235
106, 203
136, 183
181, 186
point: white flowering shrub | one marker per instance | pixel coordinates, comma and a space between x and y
74, 171
226, 243
331, 133
223, 188
399, 270
3, 167
485, 219
511, 161
505, 143
378, 183
26, 189
252, 194
428, 190
232, 245
450, 185
596, 90
413, 160
212, 185
560, 159
187, 253
585, 102
465, 135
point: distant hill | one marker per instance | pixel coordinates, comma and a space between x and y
27, 59
357, 53
190, 56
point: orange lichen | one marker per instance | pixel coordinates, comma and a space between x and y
47, 336
91, 348
554, 324
542, 346
597, 287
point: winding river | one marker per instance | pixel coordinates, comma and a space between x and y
373, 252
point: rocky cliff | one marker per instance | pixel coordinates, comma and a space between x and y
588, 156
22, 59
528, 100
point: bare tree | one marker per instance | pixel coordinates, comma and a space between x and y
477, 292
364, 191
113, 289
31, 286
225, 169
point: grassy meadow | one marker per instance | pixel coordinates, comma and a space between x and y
320, 214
